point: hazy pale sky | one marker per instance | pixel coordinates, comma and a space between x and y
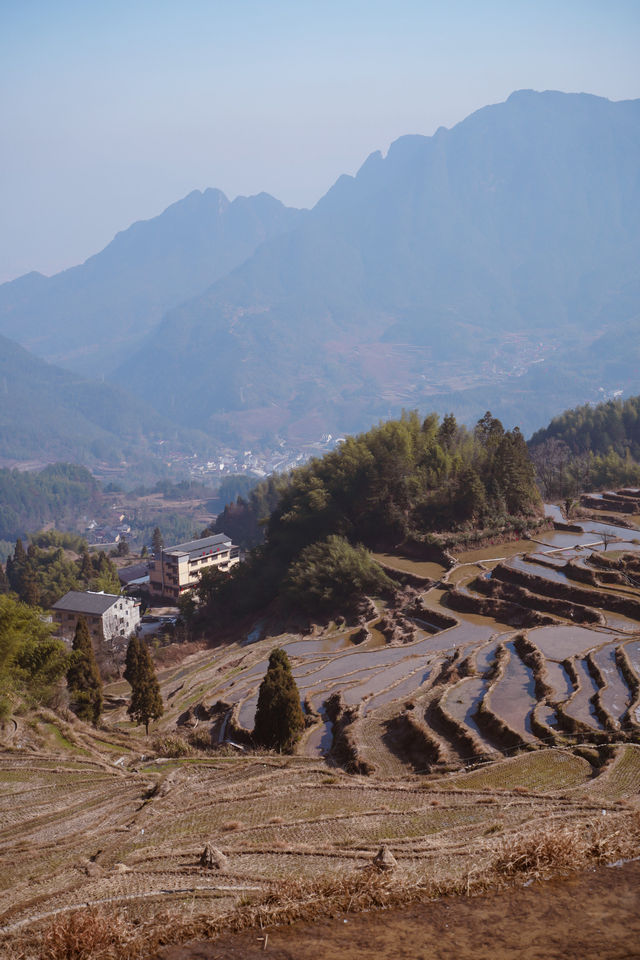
112, 110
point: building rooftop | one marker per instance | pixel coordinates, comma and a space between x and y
135, 571
93, 603
206, 545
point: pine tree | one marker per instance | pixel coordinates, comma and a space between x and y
146, 699
131, 660
157, 542
86, 568
15, 566
4, 582
83, 677
19, 554
29, 589
279, 718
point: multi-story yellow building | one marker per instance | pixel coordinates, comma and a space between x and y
178, 568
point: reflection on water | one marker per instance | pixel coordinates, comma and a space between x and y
319, 741
615, 697
485, 656
559, 679
596, 526
514, 697
558, 642
537, 570
581, 707
561, 540
462, 702
247, 713
405, 688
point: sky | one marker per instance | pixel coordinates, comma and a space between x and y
111, 110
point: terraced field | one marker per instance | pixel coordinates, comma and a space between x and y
89, 833
487, 701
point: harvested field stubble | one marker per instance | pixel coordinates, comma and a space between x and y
104, 934
96, 819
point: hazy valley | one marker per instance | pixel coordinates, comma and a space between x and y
391, 666
472, 270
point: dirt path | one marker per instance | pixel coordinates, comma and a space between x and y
594, 916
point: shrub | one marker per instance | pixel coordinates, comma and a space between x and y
331, 573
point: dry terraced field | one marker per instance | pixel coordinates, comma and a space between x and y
458, 733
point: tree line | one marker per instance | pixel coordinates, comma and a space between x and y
43, 572
30, 500
589, 448
406, 478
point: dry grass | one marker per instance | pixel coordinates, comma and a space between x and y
84, 934
555, 850
97, 934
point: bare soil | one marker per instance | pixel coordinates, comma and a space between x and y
593, 916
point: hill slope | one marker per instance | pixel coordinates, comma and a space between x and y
87, 317
456, 261
50, 414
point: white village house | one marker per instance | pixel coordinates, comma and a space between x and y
108, 615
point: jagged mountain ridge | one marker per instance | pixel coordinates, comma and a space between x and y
89, 317
454, 262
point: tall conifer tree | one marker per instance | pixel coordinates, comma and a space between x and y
279, 718
83, 677
146, 699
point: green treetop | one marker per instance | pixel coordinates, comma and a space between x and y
279, 718
146, 699
83, 677
157, 542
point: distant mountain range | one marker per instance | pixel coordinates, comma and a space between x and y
494, 265
88, 318
47, 414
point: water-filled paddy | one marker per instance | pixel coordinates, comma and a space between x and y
421, 568
580, 707
538, 570
561, 540
615, 697
600, 528
485, 656
404, 688
514, 697
558, 642
497, 552
319, 741
462, 702
559, 679
380, 680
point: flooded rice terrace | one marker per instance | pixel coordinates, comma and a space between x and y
460, 672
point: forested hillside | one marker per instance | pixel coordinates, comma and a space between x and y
405, 479
589, 448
30, 500
55, 563
614, 425
50, 414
